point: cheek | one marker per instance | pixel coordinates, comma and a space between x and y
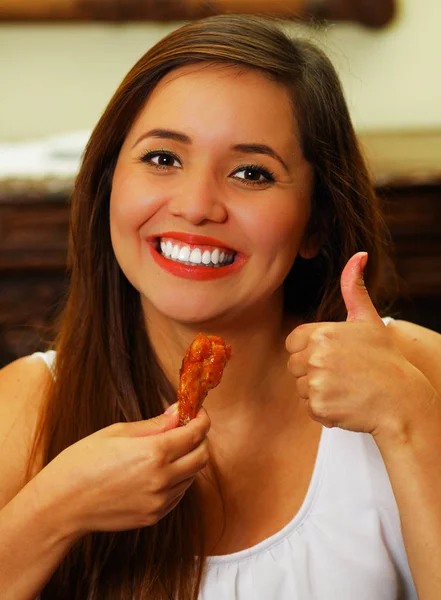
130, 205
130, 208
281, 230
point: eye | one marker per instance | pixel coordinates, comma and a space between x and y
253, 170
165, 159
252, 173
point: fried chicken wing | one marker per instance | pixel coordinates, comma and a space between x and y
201, 371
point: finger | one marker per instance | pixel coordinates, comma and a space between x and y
298, 363
175, 501
191, 464
303, 387
298, 339
355, 295
179, 489
154, 426
178, 442
174, 496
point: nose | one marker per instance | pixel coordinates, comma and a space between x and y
199, 200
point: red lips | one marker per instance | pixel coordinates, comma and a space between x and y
196, 272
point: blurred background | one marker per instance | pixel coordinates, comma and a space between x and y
61, 60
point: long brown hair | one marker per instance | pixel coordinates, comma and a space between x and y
106, 368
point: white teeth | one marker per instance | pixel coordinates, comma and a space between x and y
195, 256
184, 254
215, 256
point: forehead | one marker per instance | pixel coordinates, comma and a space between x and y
212, 102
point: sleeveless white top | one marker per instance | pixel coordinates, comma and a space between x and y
345, 543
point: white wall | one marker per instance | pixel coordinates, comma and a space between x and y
392, 77
59, 78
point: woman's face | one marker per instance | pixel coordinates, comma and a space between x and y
211, 195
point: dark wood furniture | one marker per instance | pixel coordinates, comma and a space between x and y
407, 169
33, 242
34, 226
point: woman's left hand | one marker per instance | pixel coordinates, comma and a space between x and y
352, 375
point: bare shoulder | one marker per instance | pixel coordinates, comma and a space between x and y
421, 346
24, 385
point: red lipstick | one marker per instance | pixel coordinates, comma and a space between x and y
196, 272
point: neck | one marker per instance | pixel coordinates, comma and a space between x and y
257, 368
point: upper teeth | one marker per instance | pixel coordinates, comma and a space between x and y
182, 253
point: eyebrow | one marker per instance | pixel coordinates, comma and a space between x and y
185, 139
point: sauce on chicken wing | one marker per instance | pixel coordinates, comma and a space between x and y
201, 371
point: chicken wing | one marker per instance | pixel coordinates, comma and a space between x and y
201, 371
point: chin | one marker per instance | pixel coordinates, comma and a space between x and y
187, 313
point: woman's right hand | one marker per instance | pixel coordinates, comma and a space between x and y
126, 476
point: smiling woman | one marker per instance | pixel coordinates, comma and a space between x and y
205, 183
223, 192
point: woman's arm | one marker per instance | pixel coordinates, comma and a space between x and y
421, 347
362, 376
33, 535
413, 462
34, 539
145, 467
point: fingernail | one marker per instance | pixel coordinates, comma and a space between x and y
173, 408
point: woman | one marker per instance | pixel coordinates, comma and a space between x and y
223, 191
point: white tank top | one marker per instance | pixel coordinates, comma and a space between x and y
345, 543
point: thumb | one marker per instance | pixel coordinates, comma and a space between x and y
159, 424
354, 292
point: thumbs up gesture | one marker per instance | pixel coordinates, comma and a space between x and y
351, 374
355, 295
